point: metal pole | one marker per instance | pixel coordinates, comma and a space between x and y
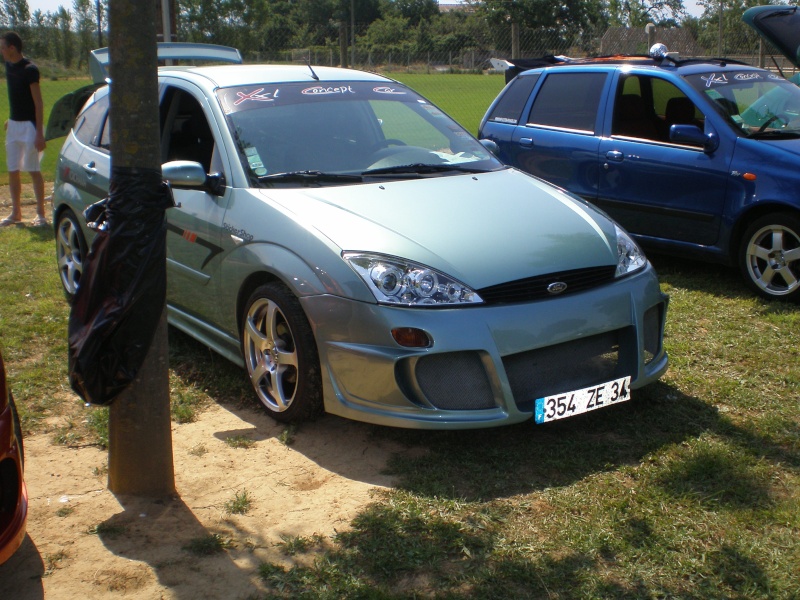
166, 24
99, 10
352, 33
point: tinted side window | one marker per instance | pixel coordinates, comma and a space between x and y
509, 108
568, 100
88, 127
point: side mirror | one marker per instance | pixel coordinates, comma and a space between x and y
186, 173
691, 135
491, 146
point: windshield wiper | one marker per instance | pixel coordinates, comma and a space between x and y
310, 177
421, 169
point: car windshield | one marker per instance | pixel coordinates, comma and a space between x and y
759, 103
344, 133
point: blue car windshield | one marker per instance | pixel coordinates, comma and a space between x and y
759, 103
335, 133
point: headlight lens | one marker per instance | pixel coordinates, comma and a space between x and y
402, 282
630, 257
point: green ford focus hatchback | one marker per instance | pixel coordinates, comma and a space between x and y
360, 253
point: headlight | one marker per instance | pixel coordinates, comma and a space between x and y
630, 258
402, 282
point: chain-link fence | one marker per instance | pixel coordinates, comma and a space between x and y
473, 55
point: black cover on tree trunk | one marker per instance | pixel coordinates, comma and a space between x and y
123, 286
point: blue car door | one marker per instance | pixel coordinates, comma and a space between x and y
558, 139
652, 186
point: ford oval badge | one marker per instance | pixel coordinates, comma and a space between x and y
557, 287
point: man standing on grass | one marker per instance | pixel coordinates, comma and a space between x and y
24, 129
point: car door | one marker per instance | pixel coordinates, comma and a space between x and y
85, 160
559, 138
195, 225
651, 185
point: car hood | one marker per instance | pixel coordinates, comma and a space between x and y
778, 146
779, 25
481, 229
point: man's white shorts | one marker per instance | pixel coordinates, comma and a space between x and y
21, 154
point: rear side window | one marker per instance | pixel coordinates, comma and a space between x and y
88, 127
568, 100
509, 108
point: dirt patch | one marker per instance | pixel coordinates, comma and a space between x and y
85, 542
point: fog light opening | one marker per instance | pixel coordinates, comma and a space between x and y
411, 337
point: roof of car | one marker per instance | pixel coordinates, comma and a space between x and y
232, 75
684, 66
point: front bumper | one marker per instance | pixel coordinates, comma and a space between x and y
487, 364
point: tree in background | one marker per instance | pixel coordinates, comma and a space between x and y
638, 13
416, 11
17, 13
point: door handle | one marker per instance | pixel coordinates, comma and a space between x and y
526, 142
615, 156
90, 168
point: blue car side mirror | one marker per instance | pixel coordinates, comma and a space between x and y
691, 134
491, 146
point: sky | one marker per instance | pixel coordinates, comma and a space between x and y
48, 5
52, 5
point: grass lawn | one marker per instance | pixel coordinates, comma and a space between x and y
690, 490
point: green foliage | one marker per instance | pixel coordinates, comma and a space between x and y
239, 504
239, 441
213, 543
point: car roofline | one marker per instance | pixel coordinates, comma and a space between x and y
517, 66
100, 58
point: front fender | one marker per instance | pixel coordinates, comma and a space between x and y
262, 261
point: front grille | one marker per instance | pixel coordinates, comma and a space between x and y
535, 288
455, 381
565, 367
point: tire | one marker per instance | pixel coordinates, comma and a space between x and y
281, 355
769, 257
70, 252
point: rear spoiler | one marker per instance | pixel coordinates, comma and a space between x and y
515, 66
99, 59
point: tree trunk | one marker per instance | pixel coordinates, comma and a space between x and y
140, 440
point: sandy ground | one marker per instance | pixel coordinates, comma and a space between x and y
85, 542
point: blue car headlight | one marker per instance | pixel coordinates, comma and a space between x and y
630, 257
403, 282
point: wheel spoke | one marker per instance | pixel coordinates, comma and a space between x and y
767, 276
276, 378
64, 261
788, 277
260, 369
792, 255
759, 252
254, 335
286, 358
270, 321
777, 240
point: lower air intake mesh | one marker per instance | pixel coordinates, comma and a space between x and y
569, 366
455, 381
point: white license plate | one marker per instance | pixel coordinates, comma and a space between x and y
570, 404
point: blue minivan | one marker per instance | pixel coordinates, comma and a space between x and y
696, 158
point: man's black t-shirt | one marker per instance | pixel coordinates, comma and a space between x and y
20, 76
